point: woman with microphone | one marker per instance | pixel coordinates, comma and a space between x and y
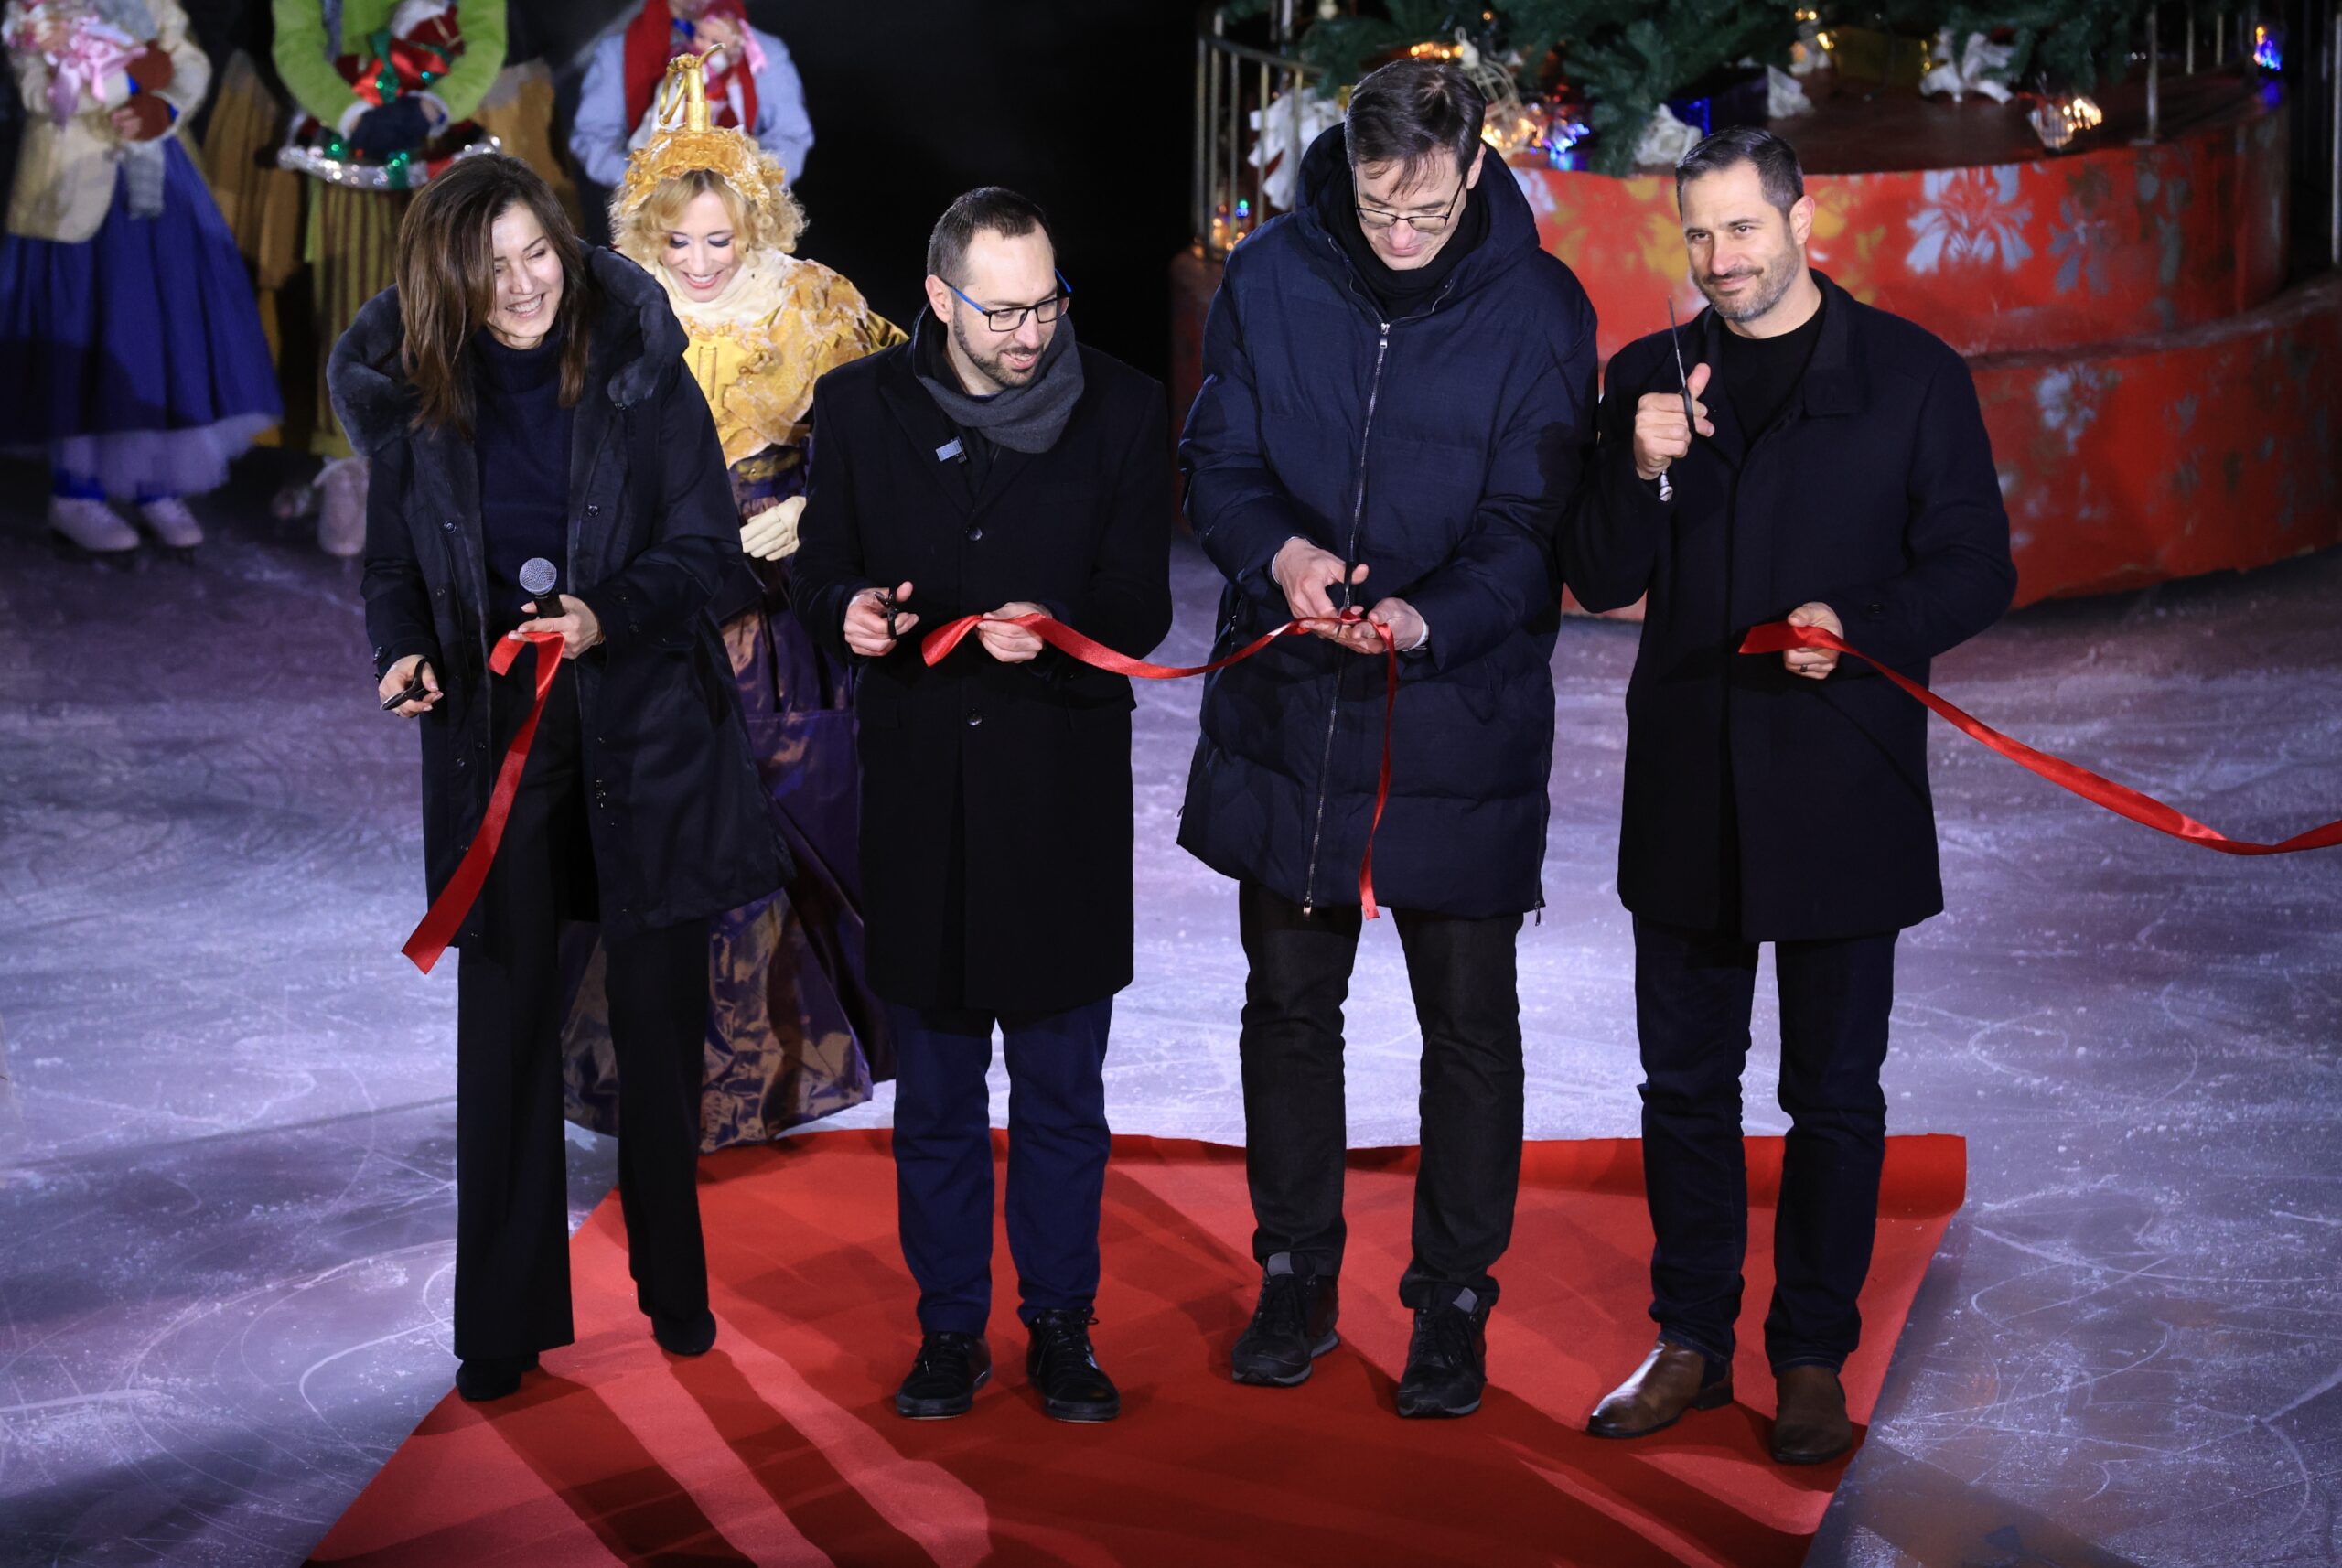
543, 463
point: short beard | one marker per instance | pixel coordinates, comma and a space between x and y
991, 369
1771, 287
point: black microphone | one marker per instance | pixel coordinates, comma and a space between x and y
537, 577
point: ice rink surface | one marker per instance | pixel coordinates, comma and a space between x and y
227, 1119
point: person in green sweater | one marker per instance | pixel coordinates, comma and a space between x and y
352, 229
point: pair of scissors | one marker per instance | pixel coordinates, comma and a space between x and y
1683, 381
1691, 419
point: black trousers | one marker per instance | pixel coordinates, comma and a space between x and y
511, 1180
1467, 1003
1692, 993
1058, 1145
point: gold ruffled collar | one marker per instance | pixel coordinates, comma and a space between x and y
759, 288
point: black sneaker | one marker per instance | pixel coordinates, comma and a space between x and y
944, 1376
486, 1378
1447, 1358
1062, 1365
1290, 1328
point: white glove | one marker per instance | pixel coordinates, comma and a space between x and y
771, 534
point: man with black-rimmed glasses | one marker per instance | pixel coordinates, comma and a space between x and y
1398, 390
991, 466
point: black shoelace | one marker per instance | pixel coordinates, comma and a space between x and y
1282, 1310
1443, 1337
938, 1353
1064, 1333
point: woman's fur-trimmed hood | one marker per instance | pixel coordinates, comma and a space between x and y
636, 340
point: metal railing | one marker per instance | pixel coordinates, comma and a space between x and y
2311, 69
2330, 63
2209, 39
1247, 99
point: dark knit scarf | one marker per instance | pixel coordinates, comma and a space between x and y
1024, 419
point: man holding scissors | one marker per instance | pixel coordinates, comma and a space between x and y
1397, 395
1826, 462
994, 466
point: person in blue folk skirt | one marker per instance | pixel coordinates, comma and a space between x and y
131, 350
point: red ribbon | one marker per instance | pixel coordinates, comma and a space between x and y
1779, 637
455, 901
937, 644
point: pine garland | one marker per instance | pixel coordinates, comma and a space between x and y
2072, 43
1627, 58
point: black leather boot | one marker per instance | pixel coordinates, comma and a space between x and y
1062, 1365
944, 1376
486, 1378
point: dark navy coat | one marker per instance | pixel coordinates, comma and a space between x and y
1441, 450
679, 824
1758, 801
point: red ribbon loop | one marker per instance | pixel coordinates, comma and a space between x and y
937, 644
1780, 636
455, 901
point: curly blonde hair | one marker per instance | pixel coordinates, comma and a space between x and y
772, 223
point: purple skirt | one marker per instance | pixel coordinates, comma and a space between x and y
135, 359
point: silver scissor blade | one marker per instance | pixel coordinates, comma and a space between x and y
1675, 341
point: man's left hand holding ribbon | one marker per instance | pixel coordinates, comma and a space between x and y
1007, 641
1307, 575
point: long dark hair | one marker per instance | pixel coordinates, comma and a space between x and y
446, 278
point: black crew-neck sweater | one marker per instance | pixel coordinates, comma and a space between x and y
520, 435
1761, 374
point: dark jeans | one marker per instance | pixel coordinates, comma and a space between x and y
511, 1177
1057, 1143
1693, 991
1296, 1129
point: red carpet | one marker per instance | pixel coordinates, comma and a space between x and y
780, 1447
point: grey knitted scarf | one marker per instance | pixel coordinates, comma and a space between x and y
1024, 419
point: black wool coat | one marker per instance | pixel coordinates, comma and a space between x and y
677, 815
996, 804
1759, 801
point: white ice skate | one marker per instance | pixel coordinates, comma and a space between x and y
91, 524
170, 521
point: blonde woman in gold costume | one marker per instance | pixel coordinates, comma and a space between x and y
792, 1033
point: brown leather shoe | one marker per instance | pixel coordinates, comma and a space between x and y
1812, 1428
1671, 1380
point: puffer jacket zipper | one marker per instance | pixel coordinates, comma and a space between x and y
1350, 560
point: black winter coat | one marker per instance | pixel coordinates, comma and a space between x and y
1440, 449
678, 818
996, 806
1759, 801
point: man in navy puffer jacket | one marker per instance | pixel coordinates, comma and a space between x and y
1397, 400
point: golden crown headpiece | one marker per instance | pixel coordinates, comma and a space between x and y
685, 141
